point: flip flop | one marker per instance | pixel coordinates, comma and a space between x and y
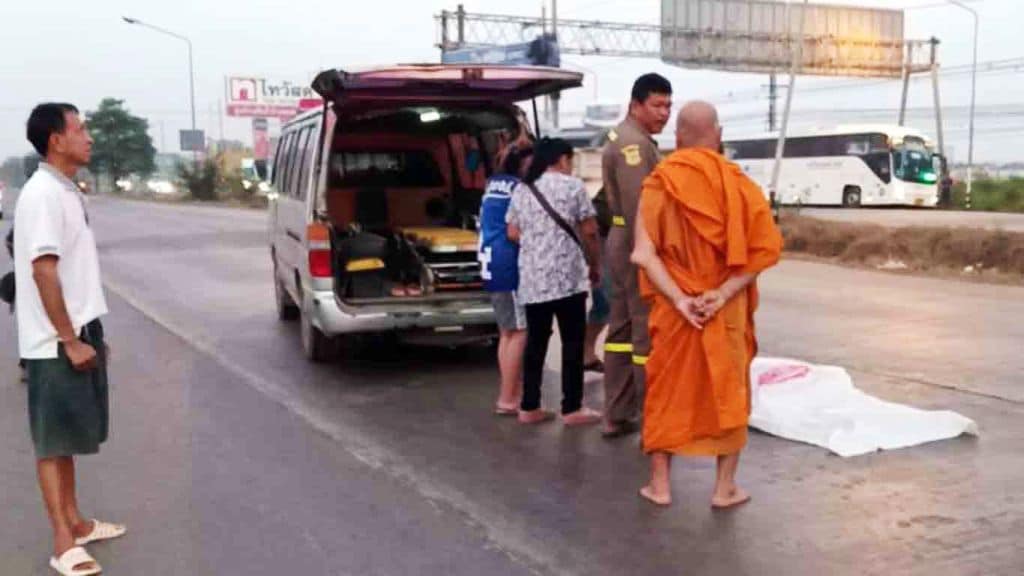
101, 531
535, 417
65, 565
502, 411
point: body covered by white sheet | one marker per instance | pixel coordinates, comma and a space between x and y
820, 405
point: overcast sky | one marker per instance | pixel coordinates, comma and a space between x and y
82, 52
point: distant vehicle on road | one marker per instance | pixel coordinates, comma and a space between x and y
871, 165
374, 200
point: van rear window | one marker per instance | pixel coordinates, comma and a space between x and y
408, 168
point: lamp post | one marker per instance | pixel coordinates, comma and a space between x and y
191, 73
974, 84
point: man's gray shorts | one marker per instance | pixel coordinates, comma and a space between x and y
67, 409
508, 312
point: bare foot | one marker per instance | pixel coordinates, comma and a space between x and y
649, 494
735, 497
612, 430
581, 417
535, 416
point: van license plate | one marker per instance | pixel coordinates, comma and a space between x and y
448, 329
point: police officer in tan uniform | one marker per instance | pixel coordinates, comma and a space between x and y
629, 156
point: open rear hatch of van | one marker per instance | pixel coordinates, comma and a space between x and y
410, 153
444, 83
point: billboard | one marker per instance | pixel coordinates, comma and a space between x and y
192, 140
260, 139
755, 36
543, 51
259, 97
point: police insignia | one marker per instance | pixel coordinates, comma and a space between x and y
632, 154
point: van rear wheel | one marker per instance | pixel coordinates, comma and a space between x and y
286, 308
316, 345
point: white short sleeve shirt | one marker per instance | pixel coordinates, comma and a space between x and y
50, 219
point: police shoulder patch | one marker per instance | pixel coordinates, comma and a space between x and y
631, 154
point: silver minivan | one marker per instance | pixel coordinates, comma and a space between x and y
375, 196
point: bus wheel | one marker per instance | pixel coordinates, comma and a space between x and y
851, 197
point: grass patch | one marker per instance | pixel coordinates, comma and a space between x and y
957, 250
991, 195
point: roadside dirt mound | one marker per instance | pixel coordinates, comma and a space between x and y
960, 250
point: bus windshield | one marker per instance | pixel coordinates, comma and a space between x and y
913, 162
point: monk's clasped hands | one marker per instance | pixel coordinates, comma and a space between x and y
699, 310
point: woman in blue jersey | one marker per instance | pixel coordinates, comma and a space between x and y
499, 263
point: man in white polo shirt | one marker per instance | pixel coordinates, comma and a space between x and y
60, 300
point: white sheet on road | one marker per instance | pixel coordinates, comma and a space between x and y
820, 405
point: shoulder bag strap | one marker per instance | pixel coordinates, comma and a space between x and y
555, 215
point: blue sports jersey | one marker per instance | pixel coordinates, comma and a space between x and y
499, 256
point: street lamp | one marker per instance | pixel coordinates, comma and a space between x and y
191, 73
974, 84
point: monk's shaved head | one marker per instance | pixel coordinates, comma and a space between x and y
697, 126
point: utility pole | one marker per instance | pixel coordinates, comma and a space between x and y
974, 86
554, 33
220, 117
798, 54
543, 32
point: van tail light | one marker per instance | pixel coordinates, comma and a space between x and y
318, 246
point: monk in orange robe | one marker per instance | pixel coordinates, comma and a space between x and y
704, 234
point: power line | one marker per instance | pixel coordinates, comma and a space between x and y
993, 67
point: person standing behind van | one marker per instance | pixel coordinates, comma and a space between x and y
628, 158
556, 270
499, 267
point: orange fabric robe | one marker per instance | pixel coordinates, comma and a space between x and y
707, 221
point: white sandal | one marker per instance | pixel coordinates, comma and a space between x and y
101, 531
65, 565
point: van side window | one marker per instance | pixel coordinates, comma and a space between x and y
294, 160
295, 163
307, 145
282, 173
278, 166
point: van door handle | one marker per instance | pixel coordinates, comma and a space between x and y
293, 236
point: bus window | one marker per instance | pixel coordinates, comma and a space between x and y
878, 162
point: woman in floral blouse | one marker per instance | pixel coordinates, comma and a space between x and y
557, 265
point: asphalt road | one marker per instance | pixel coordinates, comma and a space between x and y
230, 454
921, 217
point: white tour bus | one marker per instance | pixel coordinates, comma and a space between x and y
871, 165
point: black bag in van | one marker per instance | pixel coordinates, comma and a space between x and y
362, 259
